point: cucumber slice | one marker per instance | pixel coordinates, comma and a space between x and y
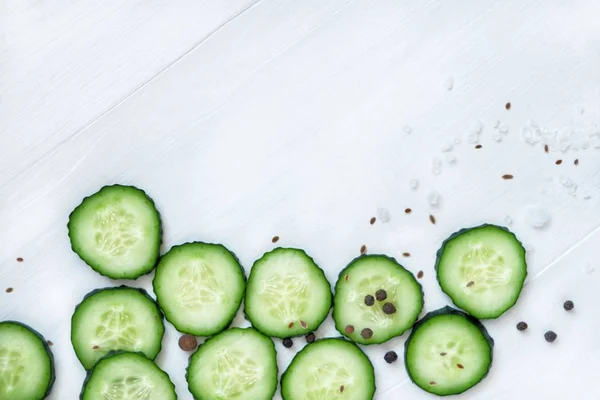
329, 369
117, 232
372, 320
235, 364
26, 363
199, 287
448, 352
121, 318
288, 294
127, 376
482, 269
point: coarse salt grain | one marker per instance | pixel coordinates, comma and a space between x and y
383, 214
406, 129
449, 83
433, 198
446, 147
536, 216
507, 220
413, 183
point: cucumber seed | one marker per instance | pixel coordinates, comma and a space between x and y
558, 162
372, 221
381, 295
342, 389
408, 211
389, 309
291, 325
369, 300
366, 333
432, 219
576, 162
478, 146
406, 254
443, 354
303, 324
49, 342
433, 383
419, 274
470, 284
95, 348
19, 259
9, 290
363, 249
275, 239
460, 366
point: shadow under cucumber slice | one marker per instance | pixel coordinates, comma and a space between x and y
376, 299
287, 294
482, 269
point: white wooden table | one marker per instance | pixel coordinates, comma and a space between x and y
246, 119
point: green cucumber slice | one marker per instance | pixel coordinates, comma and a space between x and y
121, 318
199, 286
236, 364
370, 324
127, 376
288, 294
26, 363
117, 232
329, 369
482, 269
448, 352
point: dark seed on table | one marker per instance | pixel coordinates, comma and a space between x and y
275, 239
406, 254
420, 274
372, 221
9, 290
470, 284
381, 295
460, 366
363, 249
478, 146
366, 333
546, 148
188, 342
389, 308
507, 176
19, 259
521, 326
310, 337
550, 336
408, 211
369, 300
349, 329
390, 357
49, 342
432, 219
303, 324
558, 162
507, 106
568, 305
576, 162
287, 343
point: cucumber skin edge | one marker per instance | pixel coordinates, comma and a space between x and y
228, 329
445, 311
235, 257
343, 272
114, 353
160, 232
247, 317
343, 338
464, 230
46, 347
110, 288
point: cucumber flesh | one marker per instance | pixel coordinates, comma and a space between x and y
117, 232
329, 369
200, 287
482, 269
448, 352
365, 276
122, 318
127, 376
288, 294
236, 364
26, 363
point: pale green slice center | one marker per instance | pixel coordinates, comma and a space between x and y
327, 381
286, 296
369, 286
115, 231
482, 268
234, 374
446, 359
116, 329
11, 369
128, 388
198, 286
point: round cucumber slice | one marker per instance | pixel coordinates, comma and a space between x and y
448, 352
482, 269
199, 286
236, 364
26, 363
288, 294
329, 369
127, 376
117, 232
121, 318
376, 299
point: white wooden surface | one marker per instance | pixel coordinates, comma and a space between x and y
247, 120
